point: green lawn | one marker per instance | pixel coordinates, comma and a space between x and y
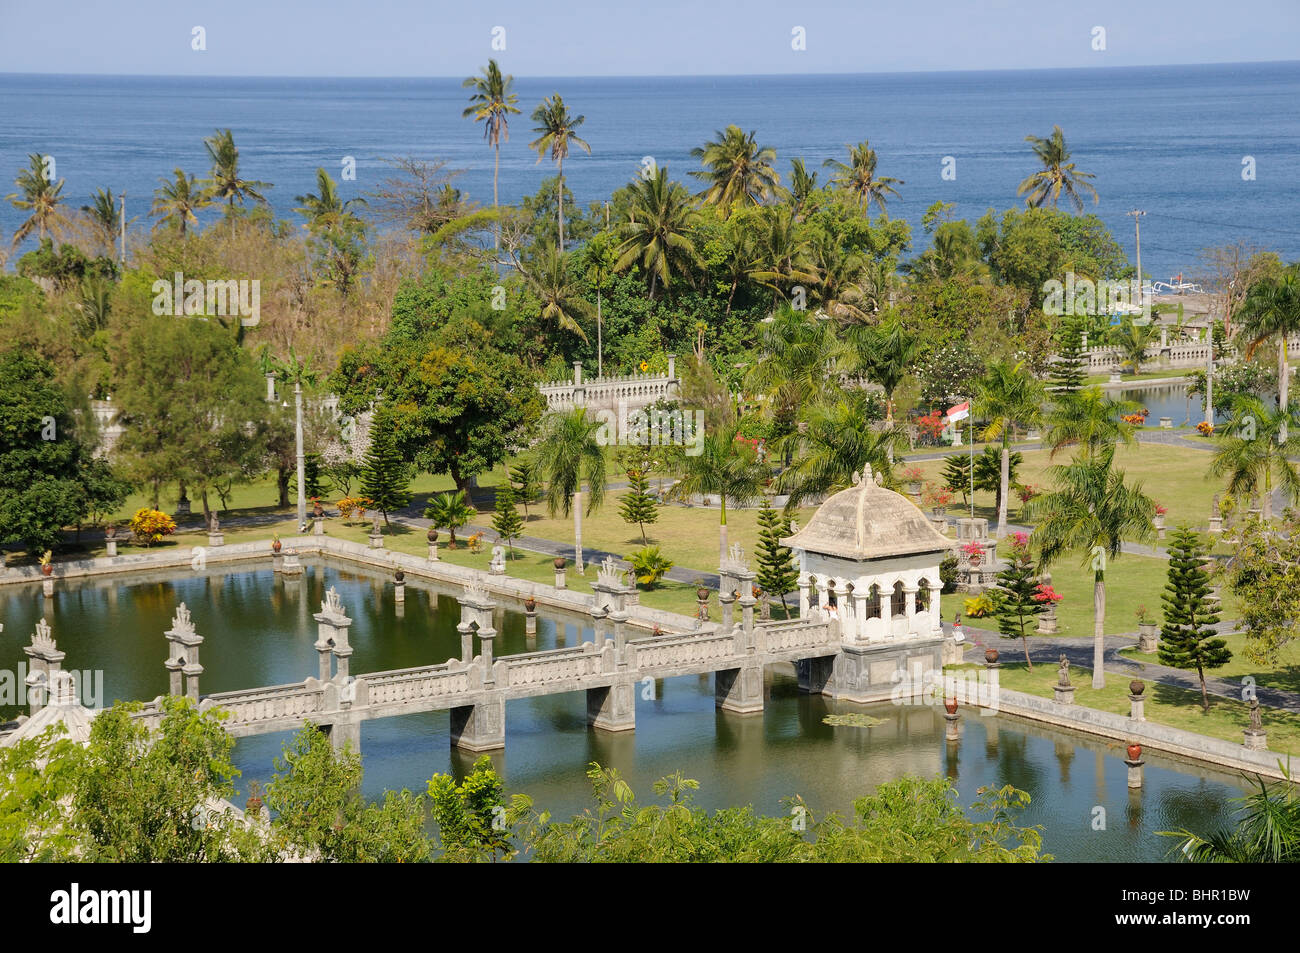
1285, 676
1165, 704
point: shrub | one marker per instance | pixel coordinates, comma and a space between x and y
649, 565
150, 526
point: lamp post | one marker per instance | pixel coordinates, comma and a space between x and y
302, 464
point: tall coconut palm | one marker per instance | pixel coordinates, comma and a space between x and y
492, 104
547, 274
326, 209
657, 232
837, 442
1009, 394
839, 278
736, 169
797, 362
858, 177
1272, 310
178, 200
726, 468
1091, 511
1254, 451
557, 128
600, 260
1057, 177
1089, 420
104, 213
568, 454
224, 183
41, 198
802, 185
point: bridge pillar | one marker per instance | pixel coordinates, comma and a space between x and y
480, 727
739, 689
344, 735
619, 620
613, 708
814, 674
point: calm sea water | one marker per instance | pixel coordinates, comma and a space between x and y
1169, 140
258, 630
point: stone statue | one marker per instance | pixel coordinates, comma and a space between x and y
1218, 507
1255, 723
214, 523
498, 563
1064, 679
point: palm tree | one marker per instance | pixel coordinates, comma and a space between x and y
884, 353
781, 255
1091, 511
726, 468
1133, 339
837, 443
657, 233
451, 510
1009, 394
839, 278
1088, 419
567, 454
547, 274
41, 197
600, 260
736, 169
1058, 174
491, 103
557, 127
104, 213
1253, 447
1268, 831
802, 185
858, 177
223, 183
326, 209
797, 358
178, 200
1272, 310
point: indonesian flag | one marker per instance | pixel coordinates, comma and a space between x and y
958, 412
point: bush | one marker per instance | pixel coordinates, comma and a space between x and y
649, 565
150, 526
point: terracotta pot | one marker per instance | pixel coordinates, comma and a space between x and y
399, 576
530, 604
559, 562
991, 656
950, 705
1137, 686
47, 569
976, 558
1135, 752
276, 545
432, 535
702, 594
317, 510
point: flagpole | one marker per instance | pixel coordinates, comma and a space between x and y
971, 412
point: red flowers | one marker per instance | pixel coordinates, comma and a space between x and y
1045, 593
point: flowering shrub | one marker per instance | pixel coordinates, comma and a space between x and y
930, 426
1045, 593
1161, 510
977, 607
1205, 429
150, 526
1020, 540
1027, 492
351, 506
973, 548
475, 543
1136, 420
936, 497
913, 474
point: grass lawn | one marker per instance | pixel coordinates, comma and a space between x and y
1285, 676
1177, 477
1165, 704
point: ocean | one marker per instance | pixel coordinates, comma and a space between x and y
1168, 140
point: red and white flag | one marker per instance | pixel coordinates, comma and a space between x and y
958, 412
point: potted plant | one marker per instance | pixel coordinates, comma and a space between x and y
316, 509
275, 543
936, 498
559, 562
432, 534
1137, 686
914, 476
1146, 623
991, 655
47, 567
530, 604
974, 552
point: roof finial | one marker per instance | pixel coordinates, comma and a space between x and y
866, 475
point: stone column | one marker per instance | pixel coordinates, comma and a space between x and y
466, 630
613, 708
332, 625
184, 655
618, 618
936, 617
399, 587
318, 525
1136, 700
111, 543
44, 663
376, 535
909, 606
803, 595
726, 599
747, 603
559, 572
739, 689
861, 613
482, 726
598, 614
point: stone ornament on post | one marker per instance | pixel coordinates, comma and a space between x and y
497, 565
1063, 689
1135, 763
559, 564
1136, 701
1256, 739
215, 536
1047, 621
399, 586
110, 539
1216, 516
432, 536
376, 535
183, 658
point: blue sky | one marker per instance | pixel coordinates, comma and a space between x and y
619, 37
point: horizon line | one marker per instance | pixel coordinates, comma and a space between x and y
785, 75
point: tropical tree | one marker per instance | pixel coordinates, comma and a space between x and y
838, 442
725, 467
736, 170
885, 354
1089, 420
524, 481
657, 232
450, 510
1091, 512
1267, 832
1255, 451
649, 565
1133, 339
781, 256
557, 133
41, 198
1009, 394
547, 275
777, 573
858, 178
1069, 369
492, 104
327, 209
600, 258
104, 212
506, 521
1272, 310
802, 185
224, 183
1188, 637
1020, 601
568, 455
798, 356
1057, 176
385, 476
178, 200
638, 504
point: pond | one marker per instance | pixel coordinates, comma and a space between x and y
258, 630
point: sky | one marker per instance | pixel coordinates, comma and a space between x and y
623, 37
